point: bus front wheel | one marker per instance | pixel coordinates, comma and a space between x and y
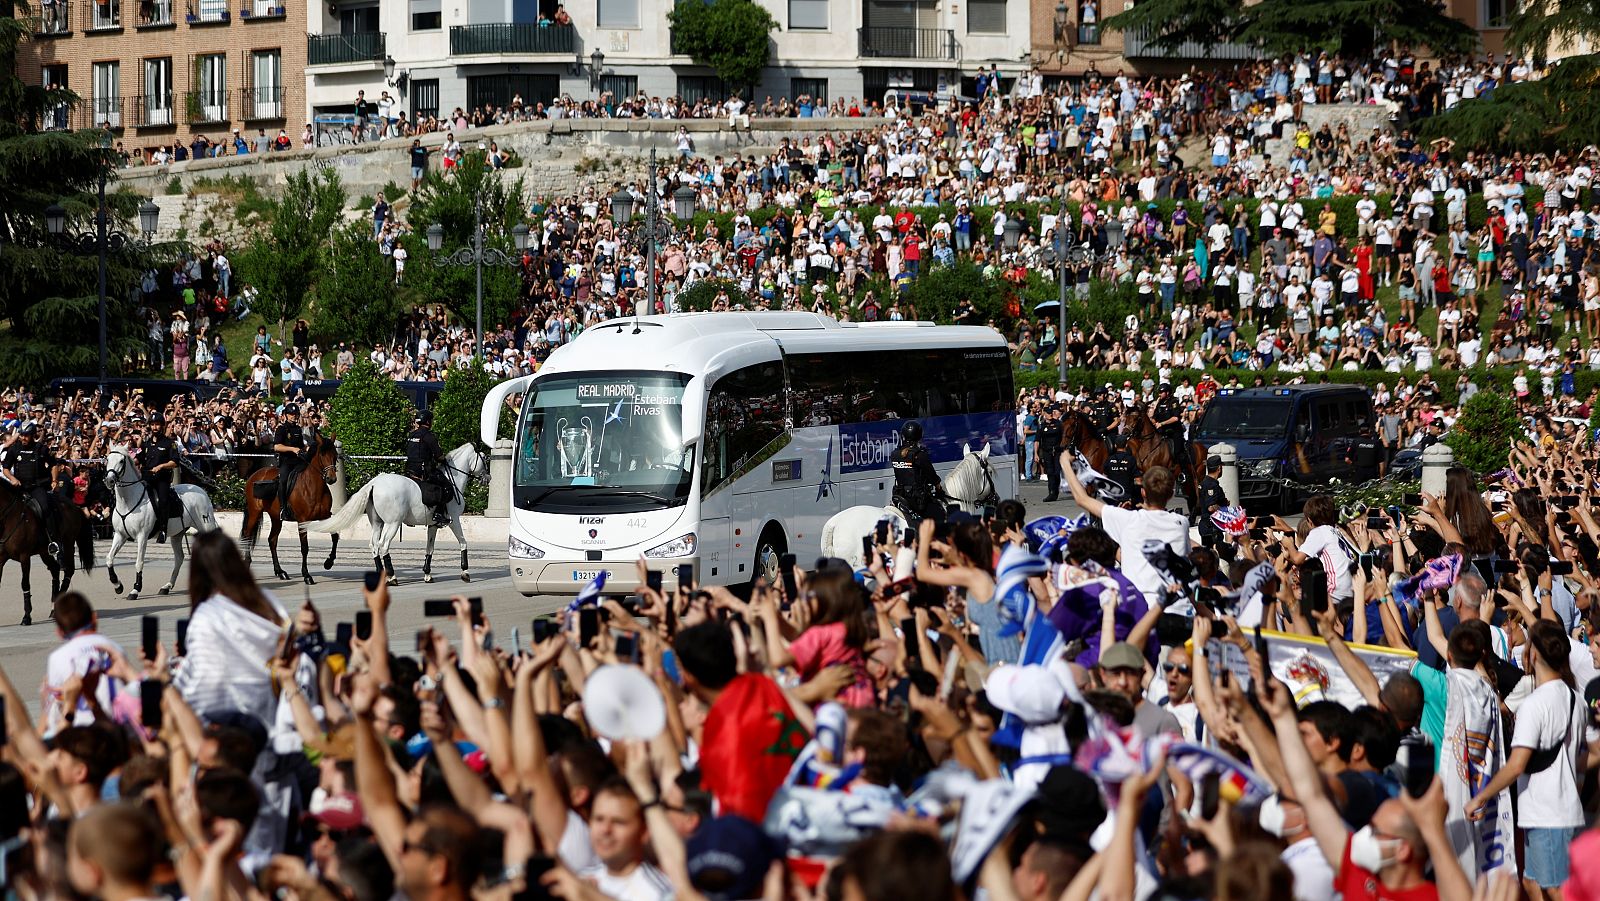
769, 549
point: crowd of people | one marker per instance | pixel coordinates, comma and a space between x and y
1384, 703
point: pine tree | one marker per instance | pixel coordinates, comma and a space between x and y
1172, 23
285, 261
355, 296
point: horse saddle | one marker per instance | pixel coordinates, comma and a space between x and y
433, 493
267, 489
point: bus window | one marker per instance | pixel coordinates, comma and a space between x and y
743, 415
819, 386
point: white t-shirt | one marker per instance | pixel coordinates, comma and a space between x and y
1323, 543
1313, 877
1549, 799
76, 655
644, 883
1130, 529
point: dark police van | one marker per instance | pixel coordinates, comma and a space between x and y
1304, 433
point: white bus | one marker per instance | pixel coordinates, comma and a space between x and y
724, 440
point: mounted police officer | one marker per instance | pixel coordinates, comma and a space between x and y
289, 443
30, 466
917, 490
1123, 469
1167, 414
1102, 411
157, 459
423, 456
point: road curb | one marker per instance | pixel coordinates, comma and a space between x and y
477, 529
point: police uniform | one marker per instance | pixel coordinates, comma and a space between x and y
916, 484
1167, 407
158, 449
32, 465
1102, 413
1123, 469
289, 434
423, 455
1212, 499
1050, 449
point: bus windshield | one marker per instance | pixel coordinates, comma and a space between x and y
1228, 417
608, 441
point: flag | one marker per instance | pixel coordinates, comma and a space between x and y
1231, 520
1011, 576
1310, 671
1043, 529
590, 593
1438, 573
750, 743
1103, 485
1077, 612
1474, 748
1237, 783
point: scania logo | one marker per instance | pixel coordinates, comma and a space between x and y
594, 533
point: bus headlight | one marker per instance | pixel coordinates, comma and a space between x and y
682, 546
522, 550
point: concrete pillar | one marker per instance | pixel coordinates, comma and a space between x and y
499, 505
1230, 470
1436, 459
340, 489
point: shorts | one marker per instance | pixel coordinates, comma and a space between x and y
449, 163
1546, 855
1383, 251
417, 172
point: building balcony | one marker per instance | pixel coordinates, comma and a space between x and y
154, 111
261, 11
99, 16
261, 104
154, 14
208, 14
342, 49
55, 20
206, 107
100, 112
512, 38
887, 42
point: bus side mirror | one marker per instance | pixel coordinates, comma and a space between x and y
694, 411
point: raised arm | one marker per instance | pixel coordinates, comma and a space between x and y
1323, 818
1090, 504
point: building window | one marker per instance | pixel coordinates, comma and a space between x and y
1089, 22
54, 78
209, 83
1497, 13
694, 88
156, 101
986, 16
814, 88
808, 15
424, 99
426, 15
617, 13
107, 97
266, 85
621, 87
358, 19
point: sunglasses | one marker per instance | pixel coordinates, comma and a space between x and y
1182, 668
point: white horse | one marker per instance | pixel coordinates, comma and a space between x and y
135, 516
391, 501
970, 485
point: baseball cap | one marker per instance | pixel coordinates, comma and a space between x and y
728, 858
1032, 693
1121, 656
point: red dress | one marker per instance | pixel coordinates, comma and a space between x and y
1364, 266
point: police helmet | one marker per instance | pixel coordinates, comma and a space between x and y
425, 418
1165, 388
291, 410
29, 429
911, 431
156, 420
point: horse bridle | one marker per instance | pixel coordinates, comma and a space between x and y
991, 495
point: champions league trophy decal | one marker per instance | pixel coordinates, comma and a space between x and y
577, 448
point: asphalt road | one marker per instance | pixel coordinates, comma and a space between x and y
337, 593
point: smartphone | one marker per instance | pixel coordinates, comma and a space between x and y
537, 866
438, 608
652, 579
1570, 500
1412, 500
150, 704
1262, 651
422, 641
867, 549
1417, 760
542, 629
1258, 533
685, 578
908, 634
588, 625
1377, 522
786, 567
182, 644
364, 624
1209, 796
372, 580
1561, 567
628, 647
151, 627
516, 640
1505, 566
900, 587
341, 635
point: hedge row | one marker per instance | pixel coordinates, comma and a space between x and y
1498, 379
1031, 213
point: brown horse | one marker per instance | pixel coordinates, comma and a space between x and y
309, 500
1078, 432
1150, 448
23, 537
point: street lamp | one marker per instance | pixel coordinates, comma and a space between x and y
388, 69
653, 231
1013, 233
683, 202
101, 241
477, 256
621, 206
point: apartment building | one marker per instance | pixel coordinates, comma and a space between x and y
157, 72
432, 57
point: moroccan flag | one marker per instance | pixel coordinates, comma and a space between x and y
751, 739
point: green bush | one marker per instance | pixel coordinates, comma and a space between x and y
457, 408
1481, 437
699, 297
370, 416
941, 288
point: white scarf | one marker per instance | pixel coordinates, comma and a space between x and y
1473, 749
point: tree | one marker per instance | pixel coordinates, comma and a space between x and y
355, 297
456, 411
1551, 114
49, 304
448, 201
285, 260
369, 415
700, 296
1481, 438
1541, 27
1355, 27
941, 288
1173, 23
730, 36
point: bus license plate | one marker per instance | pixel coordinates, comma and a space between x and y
588, 575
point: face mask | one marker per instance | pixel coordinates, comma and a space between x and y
1272, 818
1367, 850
